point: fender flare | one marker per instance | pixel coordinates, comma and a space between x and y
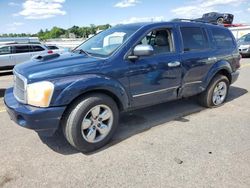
217, 67
69, 88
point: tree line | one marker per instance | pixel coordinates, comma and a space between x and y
57, 32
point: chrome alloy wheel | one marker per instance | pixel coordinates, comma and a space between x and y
220, 93
97, 123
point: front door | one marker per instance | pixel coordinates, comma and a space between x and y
5, 57
156, 78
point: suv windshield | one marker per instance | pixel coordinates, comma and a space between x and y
106, 42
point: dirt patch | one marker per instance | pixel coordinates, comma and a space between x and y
5, 179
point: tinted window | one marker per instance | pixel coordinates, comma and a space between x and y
22, 49
52, 47
5, 50
160, 40
194, 38
247, 39
222, 38
37, 48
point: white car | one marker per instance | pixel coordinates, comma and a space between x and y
55, 48
12, 54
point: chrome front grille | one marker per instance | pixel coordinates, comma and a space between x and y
19, 87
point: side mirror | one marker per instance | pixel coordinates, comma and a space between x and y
141, 50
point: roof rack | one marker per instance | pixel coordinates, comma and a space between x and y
194, 20
20, 40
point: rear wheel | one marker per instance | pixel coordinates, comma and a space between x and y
220, 20
216, 92
91, 122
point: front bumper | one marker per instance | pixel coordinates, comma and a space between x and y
244, 51
234, 76
44, 121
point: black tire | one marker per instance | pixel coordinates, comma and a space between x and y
73, 119
206, 98
220, 20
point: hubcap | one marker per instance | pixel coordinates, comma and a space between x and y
97, 123
220, 92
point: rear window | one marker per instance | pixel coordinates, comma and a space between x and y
194, 38
222, 38
22, 49
5, 50
37, 48
52, 47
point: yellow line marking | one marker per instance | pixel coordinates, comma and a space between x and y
2, 111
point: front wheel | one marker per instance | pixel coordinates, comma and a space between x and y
216, 92
91, 122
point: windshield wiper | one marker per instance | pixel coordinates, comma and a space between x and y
81, 52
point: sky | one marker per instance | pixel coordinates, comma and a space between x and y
29, 16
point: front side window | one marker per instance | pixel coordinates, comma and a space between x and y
194, 38
160, 40
22, 49
5, 50
222, 38
106, 42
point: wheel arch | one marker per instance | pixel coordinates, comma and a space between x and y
223, 68
73, 88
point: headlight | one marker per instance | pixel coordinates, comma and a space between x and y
39, 94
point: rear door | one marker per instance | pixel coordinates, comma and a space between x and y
22, 53
196, 58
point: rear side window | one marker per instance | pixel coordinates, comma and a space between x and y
194, 38
37, 48
22, 49
5, 50
52, 47
222, 38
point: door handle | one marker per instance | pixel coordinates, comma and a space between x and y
212, 59
174, 64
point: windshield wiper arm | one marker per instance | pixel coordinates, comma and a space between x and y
81, 52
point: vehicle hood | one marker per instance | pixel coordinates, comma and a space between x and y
67, 64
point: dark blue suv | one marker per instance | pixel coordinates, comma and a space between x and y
123, 68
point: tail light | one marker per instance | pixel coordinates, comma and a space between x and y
50, 52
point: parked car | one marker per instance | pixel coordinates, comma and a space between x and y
244, 45
140, 65
55, 48
219, 18
13, 53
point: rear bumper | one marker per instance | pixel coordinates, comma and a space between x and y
234, 76
45, 121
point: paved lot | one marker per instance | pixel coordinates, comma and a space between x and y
177, 144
